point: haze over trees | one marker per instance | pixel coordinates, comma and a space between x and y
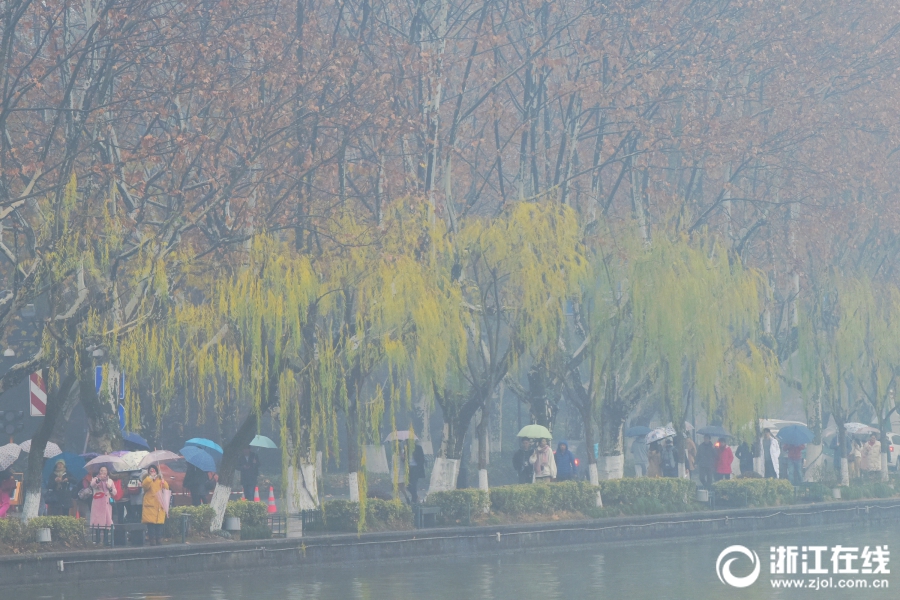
146, 147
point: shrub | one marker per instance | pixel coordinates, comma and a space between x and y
754, 492
877, 489
13, 533
648, 495
544, 499
457, 506
254, 514
201, 519
343, 515
68, 531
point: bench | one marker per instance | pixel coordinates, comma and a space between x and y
423, 512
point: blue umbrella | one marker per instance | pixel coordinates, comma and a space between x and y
133, 438
74, 465
206, 444
637, 431
795, 435
714, 430
199, 458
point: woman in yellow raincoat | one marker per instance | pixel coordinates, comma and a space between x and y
154, 513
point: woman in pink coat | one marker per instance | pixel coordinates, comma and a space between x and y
101, 509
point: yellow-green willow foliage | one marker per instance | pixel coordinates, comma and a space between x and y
698, 314
230, 343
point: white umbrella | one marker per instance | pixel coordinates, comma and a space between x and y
401, 436
158, 456
132, 460
50, 450
658, 434
8, 455
115, 463
857, 428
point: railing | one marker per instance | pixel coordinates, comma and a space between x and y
310, 517
278, 524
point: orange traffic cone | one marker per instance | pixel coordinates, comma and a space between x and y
256, 494
272, 507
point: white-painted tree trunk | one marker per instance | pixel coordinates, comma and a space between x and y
845, 471
885, 476
353, 482
483, 479
682, 471
376, 459
611, 467
302, 488
599, 500
444, 475
32, 505
815, 461
218, 502
594, 476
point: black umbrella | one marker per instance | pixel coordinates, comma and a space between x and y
714, 430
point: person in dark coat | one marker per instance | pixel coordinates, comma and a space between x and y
745, 456
249, 467
565, 462
60, 490
196, 482
521, 465
706, 461
416, 472
669, 466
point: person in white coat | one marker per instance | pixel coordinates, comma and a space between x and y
771, 451
544, 462
870, 455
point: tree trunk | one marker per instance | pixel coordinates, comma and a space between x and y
611, 460
424, 432
230, 456
55, 401
102, 419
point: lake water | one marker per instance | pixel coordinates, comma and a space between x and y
676, 569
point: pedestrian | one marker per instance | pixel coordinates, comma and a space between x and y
60, 490
795, 463
103, 490
771, 452
654, 460
135, 491
154, 511
543, 462
667, 458
690, 455
725, 458
416, 472
7, 487
641, 459
249, 467
196, 482
706, 462
522, 463
745, 458
870, 454
854, 459
565, 462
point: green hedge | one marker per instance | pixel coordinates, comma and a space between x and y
255, 532
65, 531
343, 515
754, 492
878, 489
254, 514
569, 496
201, 519
648, 495
459, 506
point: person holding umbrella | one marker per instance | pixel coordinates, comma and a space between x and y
7, 487
521, 461
543, 462
154, 511
103, 489
249, 468
416, 471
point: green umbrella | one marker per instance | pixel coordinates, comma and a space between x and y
262, 441
535, 431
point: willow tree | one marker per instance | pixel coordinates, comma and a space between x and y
512, 275
698, 311
607, 369
880, 362
389, 302
833, 329
236, 345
